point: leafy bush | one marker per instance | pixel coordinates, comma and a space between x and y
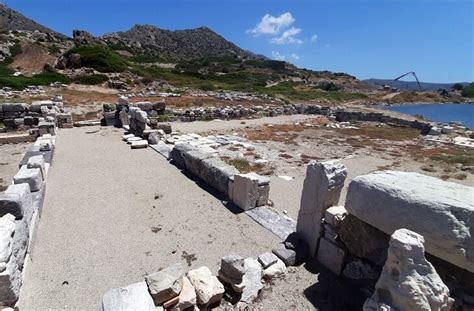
21, 82
99, 58
54, 49
91, 79
146, 58
468, 91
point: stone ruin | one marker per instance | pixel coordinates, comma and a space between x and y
20, 210
370, 235
39, 118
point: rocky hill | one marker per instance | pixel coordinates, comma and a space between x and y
11, 20
178, 44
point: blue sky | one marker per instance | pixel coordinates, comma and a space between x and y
366, 38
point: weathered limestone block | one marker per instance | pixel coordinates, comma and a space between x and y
37, 162
231, 272
166, 283
335, 215
267, 259
15, 107
16, 201
31, 176
145, 106
274, 270
159, 106
177, 155
245, 191
187, 297
208, 288
252, 280
442, 212
20, 241
139, 144
123, 117
263, 194
45, 127
132, 297
217, 173
10, 273
141, 116
331, 255
408, 281
322, 189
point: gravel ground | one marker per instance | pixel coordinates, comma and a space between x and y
113, 215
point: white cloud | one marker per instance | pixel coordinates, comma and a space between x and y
273, 25
314, 38
295, 56
288, 37
277, 56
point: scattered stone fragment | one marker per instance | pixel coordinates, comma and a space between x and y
231, 272
322, 188
127, 137
288, 256
209, 290
139, 144
267, 259
132, 297
166, 283
252, 280
334, 215
275, 270
408, 281
187, 297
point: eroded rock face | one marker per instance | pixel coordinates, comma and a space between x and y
442, 212
408, 281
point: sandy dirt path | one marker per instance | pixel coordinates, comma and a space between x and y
113, 215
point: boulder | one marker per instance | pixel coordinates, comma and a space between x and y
132, 297
166, 283
408, 281
322, 188
442, 212
208, 288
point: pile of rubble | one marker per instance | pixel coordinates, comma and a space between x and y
239, 281
43, 114
20, 209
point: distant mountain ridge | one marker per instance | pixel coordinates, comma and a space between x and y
13, 20
412, 85
189, 43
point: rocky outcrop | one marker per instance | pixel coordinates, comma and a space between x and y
442, 212
189, 43
408, 281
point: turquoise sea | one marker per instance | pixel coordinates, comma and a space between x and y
463, 113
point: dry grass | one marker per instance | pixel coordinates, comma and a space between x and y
387, 133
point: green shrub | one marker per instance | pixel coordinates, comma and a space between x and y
468, 91
91, 79
54, 49
99, 58
21, 82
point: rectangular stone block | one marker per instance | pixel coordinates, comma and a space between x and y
331, 256
10, 273
334, 215
245, 192
48, 156
16, 201
46, 127
322, 188
442, 212
139, 144
37, 162
31, 176
263, 195
132, 297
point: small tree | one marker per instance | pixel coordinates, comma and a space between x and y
457, 87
